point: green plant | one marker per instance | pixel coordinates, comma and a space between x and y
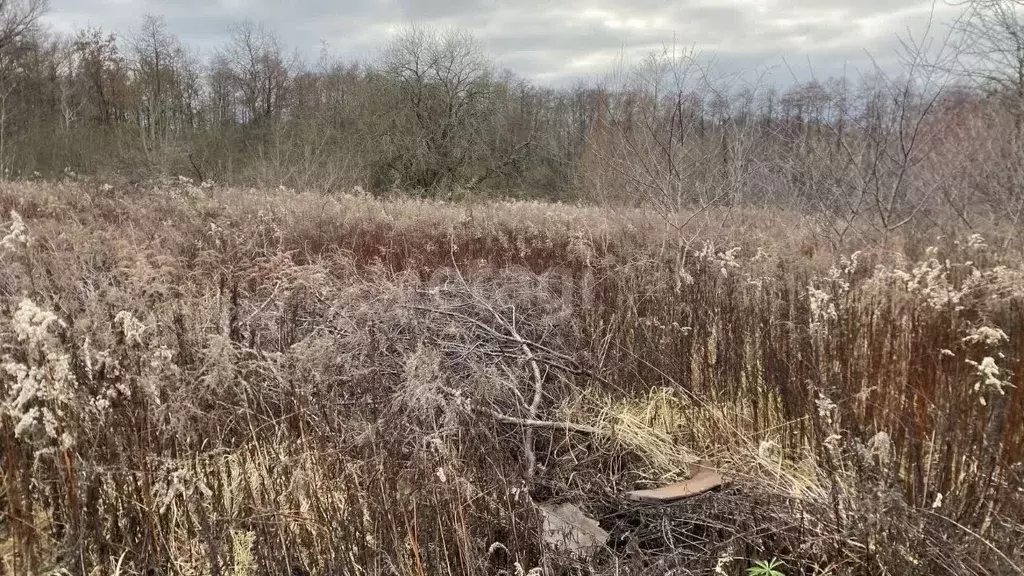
767, 568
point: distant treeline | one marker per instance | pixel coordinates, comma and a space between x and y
431, 114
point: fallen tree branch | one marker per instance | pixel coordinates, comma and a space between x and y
532, 353
528, 423
549, 425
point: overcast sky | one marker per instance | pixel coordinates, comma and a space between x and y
555, 42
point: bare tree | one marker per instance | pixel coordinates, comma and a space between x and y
17, 19
666, 137
992, 49
71, 90
259, 70
102, 65
441, 83
992, 55
154, 53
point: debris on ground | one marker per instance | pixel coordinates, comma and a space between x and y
701, 480
567, 528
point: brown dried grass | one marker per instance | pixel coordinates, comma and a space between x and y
311, 384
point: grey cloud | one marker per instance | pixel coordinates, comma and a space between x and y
552, 41
434, 9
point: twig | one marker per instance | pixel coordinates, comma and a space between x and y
538, 379
263, 306
991, 546
530, 424
535, 345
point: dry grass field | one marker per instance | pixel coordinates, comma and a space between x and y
217, 381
